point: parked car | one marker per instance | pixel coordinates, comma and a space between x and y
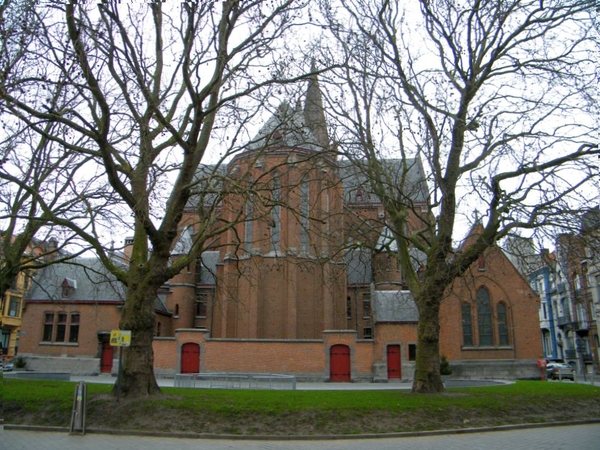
557, 371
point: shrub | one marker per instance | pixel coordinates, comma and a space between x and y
19, 362
445, 368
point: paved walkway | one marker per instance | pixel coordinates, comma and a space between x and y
312, 386
580, 437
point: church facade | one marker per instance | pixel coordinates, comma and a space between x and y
306, 273
302, 279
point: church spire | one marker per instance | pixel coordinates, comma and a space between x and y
314, 115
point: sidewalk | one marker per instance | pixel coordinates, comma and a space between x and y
301, 385
322, 386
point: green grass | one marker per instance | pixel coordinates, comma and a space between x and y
32, 393
238, 411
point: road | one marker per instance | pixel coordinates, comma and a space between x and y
581, 437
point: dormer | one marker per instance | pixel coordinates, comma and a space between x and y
68, 287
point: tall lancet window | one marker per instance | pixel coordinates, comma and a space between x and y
248, 225
484, 317
304, 220
276, 216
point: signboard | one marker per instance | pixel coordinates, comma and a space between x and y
120, 338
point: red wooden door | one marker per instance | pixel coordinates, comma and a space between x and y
106, 358
393, 362
190, 358
339, 363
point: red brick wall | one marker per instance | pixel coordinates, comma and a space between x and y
94, 318
308, 357
388, 333
504, 284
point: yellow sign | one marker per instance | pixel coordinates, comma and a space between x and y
120, 338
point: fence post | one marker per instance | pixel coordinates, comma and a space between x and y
79, 408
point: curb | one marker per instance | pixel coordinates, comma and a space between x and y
408, 434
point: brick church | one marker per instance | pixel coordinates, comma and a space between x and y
303, 279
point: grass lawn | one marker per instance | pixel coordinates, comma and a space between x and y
38, 402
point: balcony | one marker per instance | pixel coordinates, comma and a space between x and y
570, 354
583, 325
544, 324
565, 320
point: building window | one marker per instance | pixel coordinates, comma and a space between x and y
368, 333
582, 319
467, 325
544, 311
304, 217
502, 325
158, 329
564, 306
248, 226
348, 307
484, 317
177, 309
412, 352
5, 341
61, 327
14, 306
48, 327
366, 306
276, 215
201, 305
57, 331
481, 263
198, 270
74, 327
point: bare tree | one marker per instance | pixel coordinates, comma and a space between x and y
151, 86
495, 97
40, 182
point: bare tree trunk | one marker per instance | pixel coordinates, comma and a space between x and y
427, 365
137, 376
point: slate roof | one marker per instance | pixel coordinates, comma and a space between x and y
394, 306
93, 283
357, 188
285, 128
184, 243
208, 182
387, 243
209, 268
359, 268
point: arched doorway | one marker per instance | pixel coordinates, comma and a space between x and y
394, 370
339, 363
190, 358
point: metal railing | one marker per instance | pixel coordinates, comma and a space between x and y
570, 353
565, 320
235, 380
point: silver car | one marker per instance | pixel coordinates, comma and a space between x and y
559, 371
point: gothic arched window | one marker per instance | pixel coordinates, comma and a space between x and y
467, 325
484, 317
502, 324
276, 215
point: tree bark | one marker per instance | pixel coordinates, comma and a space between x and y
137, 374
427, 365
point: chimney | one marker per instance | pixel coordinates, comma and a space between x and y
51, 251
128, 248
545, 256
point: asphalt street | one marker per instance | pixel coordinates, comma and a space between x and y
580, 437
